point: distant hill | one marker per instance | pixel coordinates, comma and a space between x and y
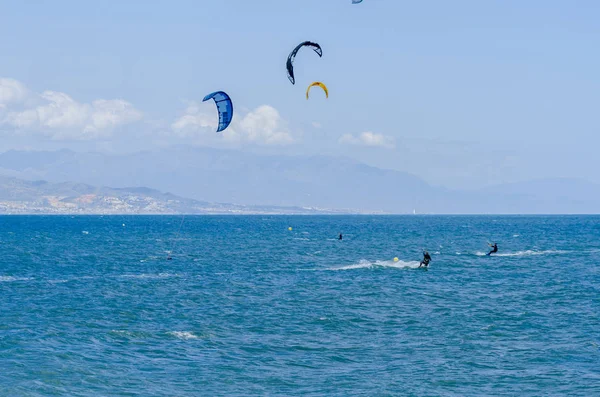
230, 176
246, 179
30, 197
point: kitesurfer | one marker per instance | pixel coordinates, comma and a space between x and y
426, 259
494, 249
339, 238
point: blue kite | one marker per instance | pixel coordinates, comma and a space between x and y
224, 106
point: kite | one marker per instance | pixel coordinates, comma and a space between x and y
290, 61
317, 84
224, 106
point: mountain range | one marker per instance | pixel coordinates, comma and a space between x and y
207, 175
19, 196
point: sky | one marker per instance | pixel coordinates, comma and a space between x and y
464, 93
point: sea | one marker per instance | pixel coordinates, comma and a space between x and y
279, 306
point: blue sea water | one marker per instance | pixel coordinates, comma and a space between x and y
90, 306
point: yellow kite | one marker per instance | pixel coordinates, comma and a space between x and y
316, 83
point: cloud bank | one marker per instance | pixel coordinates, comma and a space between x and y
58, 116
261, 126
368, 139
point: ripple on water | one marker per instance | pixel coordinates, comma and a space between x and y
243, 309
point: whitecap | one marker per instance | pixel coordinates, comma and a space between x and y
149, 276
125, 333
183, 335
11, 278
365, 264
524, 253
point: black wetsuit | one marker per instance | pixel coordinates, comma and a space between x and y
340, 236
426, 259
494, 249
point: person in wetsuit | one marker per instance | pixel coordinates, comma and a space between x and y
426, 259
494, 249
339, 238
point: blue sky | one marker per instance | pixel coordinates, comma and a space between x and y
461, 93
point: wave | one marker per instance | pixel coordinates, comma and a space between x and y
67, 280
365, 264
154, 257
524, 253
121, 332
183, 335
149, 276
59, 281
8, 279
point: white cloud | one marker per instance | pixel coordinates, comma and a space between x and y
316, 124
263, 125
60, 117
11, 91
108, 114
194, 120
368, 139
